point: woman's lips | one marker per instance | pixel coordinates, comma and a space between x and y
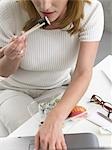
47, 13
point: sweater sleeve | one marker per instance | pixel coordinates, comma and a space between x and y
93, 24
7, 22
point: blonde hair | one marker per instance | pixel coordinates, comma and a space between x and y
74, 13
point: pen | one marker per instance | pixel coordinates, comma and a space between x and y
105, 117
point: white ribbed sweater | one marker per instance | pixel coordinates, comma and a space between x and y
51, 54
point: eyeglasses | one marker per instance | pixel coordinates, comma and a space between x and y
98, 100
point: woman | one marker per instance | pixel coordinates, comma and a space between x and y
57, 58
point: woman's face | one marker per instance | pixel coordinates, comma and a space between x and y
53, 9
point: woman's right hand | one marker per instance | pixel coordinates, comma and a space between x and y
16, 48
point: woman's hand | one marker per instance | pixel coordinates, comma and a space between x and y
16, 48
50, 136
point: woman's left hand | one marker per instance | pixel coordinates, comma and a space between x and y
50, 136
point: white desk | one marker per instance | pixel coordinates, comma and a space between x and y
99, 85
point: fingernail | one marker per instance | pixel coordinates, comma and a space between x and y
22, 32
14, 37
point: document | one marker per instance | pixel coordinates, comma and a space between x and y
107, 68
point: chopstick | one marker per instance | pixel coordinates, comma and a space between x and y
34, 28
43, 22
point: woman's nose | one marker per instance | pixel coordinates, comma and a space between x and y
45, 5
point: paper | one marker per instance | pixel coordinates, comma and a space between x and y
69, 122
100, 121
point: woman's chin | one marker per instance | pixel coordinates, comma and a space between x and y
51, 19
